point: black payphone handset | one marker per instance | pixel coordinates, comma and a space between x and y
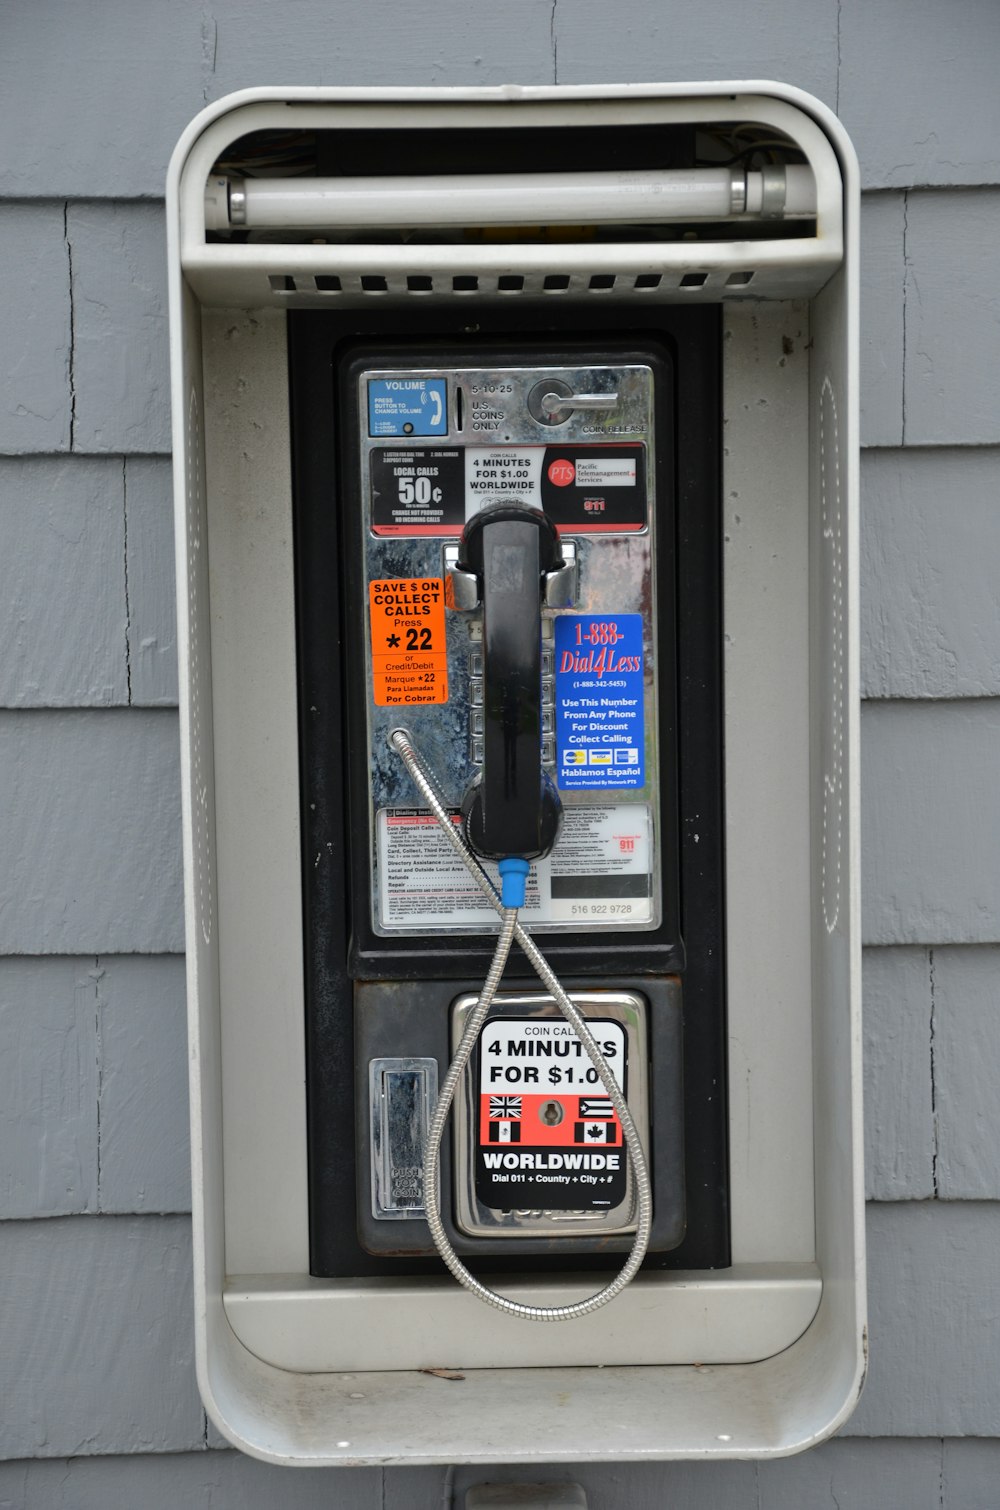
504, 546
512, 806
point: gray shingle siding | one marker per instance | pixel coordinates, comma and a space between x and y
96, 1368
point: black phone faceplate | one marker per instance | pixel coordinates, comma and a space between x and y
337, 947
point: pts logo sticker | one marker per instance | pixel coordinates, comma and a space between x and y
561, 472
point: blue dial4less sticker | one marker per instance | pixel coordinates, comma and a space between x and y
599, 701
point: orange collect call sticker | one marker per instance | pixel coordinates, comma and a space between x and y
409, 651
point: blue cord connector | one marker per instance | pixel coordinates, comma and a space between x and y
513, 877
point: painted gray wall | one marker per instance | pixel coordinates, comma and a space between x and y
99, 1403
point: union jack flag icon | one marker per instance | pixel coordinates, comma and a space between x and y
505, 1106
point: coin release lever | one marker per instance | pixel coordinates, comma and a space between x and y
553, 401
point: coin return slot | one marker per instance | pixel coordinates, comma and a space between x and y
401, 1094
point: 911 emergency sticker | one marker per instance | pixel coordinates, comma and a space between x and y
548, 1135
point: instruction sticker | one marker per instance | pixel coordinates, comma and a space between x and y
599, 874
585, 488
409, 653
599, 701
407, 406
548, 1134
424, 489
589, 488
418, 491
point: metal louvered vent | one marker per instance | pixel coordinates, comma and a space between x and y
289, 286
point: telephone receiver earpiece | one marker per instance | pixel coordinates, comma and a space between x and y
512, 808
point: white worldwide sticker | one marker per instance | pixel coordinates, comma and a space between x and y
513, 472
536, 1055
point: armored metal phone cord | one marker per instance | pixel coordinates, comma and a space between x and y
510, 929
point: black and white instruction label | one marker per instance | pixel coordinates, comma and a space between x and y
600, 872
433, 490
417, 491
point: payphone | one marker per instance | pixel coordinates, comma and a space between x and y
505, 523
544, 739
654, 483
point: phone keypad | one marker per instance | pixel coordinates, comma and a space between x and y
548, 696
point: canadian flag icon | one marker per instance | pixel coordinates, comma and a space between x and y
595, 1132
